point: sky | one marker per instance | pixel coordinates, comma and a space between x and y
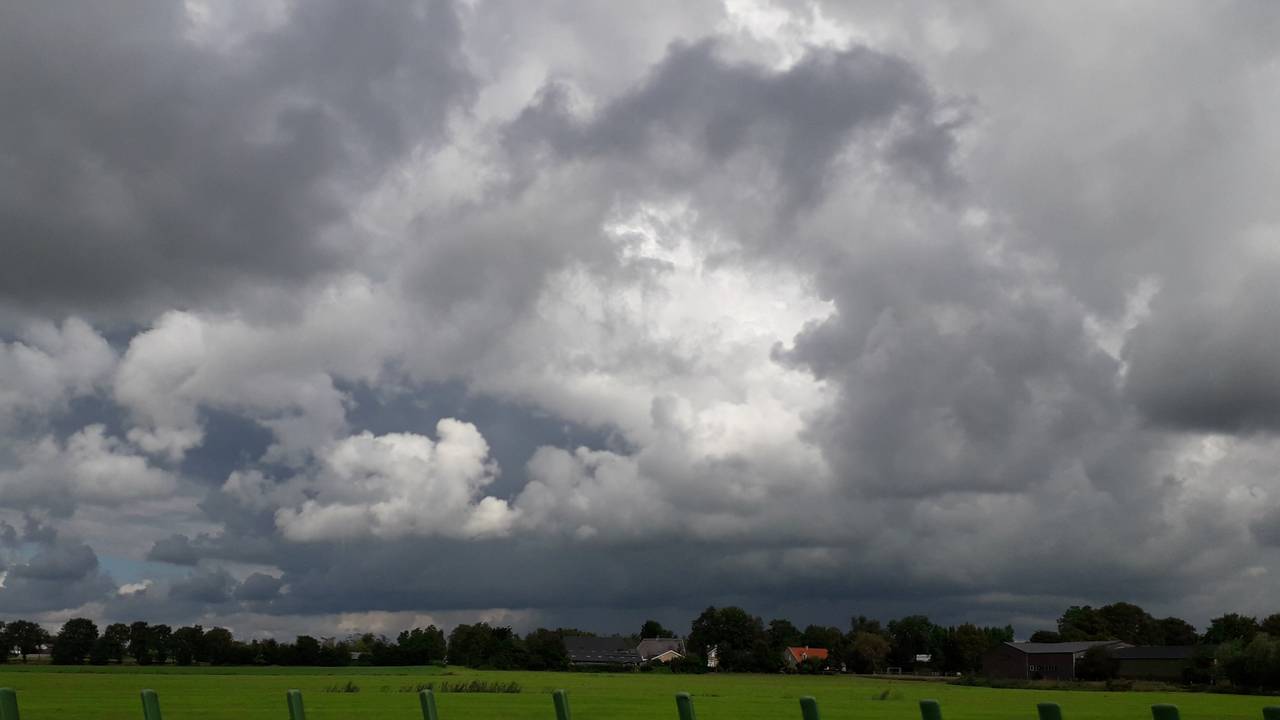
333, 317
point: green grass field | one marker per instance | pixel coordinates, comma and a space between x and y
111, 693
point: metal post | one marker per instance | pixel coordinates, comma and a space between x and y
684, 705
428, 700
294, 698
150, 705
8, 704
561, 699
1049, 711
1164, 712
930, 710
808, 708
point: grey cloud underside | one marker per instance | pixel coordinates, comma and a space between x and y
1043, 371
146, 171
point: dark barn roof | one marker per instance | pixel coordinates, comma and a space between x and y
1031, 648
601, 651
1155, 652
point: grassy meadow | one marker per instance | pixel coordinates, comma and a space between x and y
111, 693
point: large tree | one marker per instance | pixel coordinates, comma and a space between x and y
25, 636
1271, 625
114, 638
161, 642
545, 650
908, 637
867, 652
140, 642
74, 641
1231, 626
421, 646
1082, 623
1176, 631
737, 637
782, 634
654, 629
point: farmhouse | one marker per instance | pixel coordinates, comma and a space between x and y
793, 656
1039, 661
660, 649
601, 651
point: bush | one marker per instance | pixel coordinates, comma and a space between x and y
689, 664
1097, 664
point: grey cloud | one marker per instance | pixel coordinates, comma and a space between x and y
208, 587
148, 169
708, 111
63, 575
63, 562
258, 588
1209, 363
175, 549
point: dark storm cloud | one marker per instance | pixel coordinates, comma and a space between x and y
140, 167
709, 111
63, 562
1209, 363
175, 549
59, 576
258, 588
203, 587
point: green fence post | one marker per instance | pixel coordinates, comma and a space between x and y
930, 710
1164, 712
1049, 711
428, 700
684, 705
808, 708
561, 699
294, 698
8, 704
1270, 712
150, 705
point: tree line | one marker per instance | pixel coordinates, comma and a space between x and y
1247, 650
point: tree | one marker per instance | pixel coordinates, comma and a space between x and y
1176, 631
161, 642
861, 623
1080, 623
25, 636
868, 652
1271, 625
188, 644
100, 653
114, 639
74, 641
219, 646
654, 629
908, 637
966, 644
1045, 636
421, 646
140, 642
1231, 626
738, 638
546, 651
782, 635
1130, 623
307, 649
1097, 663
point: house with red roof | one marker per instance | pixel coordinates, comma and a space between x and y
793, 656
